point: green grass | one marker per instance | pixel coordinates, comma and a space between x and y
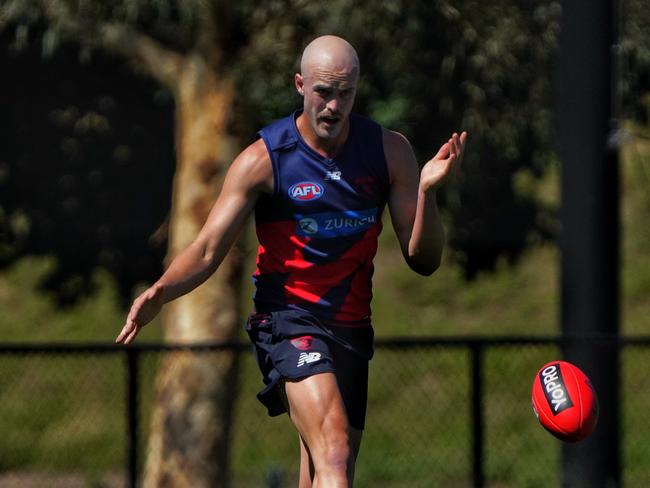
31, 316
66, 414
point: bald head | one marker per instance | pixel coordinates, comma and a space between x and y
328, 83
329, 53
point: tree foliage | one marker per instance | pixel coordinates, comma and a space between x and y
86, 162
634, 60
428, 67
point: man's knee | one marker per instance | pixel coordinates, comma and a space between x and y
338, 450
318, 412
334, 450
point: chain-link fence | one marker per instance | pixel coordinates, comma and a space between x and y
441, 412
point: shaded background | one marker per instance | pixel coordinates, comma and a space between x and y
105, 135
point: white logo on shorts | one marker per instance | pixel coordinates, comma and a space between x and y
308, 357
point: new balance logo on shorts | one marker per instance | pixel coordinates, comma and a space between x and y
308, 357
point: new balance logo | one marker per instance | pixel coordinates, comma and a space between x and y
333, 175
308, 357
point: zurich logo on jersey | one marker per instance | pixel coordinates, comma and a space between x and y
335, 224
305, 191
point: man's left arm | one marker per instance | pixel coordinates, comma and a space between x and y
412, 200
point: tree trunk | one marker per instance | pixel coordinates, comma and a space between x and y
189, 431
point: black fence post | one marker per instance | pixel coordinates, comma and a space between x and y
132, 417
476, 386
588, 138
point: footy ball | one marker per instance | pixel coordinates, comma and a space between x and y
564, 401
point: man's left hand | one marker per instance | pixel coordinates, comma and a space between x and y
444, 163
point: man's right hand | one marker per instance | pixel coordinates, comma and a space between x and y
144, 310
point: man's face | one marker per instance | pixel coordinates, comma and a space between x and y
328, 99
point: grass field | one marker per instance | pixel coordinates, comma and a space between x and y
48, 426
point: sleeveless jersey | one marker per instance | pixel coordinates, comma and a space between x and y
318, 230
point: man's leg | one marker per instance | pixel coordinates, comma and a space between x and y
307, 466
316, 409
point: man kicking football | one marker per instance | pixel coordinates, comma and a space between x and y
317, 182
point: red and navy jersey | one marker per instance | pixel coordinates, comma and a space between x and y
318, 230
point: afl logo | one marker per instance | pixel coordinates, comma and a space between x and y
305, 191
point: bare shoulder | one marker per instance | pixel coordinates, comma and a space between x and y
252, 168
399, 154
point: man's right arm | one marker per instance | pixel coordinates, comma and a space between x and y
249, 176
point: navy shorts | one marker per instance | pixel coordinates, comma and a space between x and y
293, 344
